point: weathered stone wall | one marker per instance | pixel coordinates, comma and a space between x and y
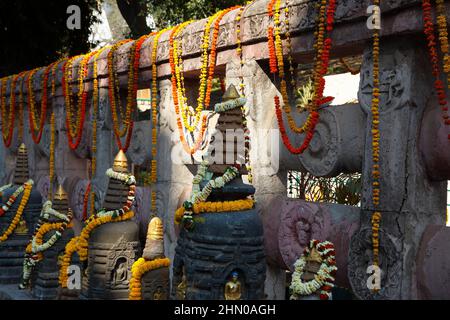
412, 199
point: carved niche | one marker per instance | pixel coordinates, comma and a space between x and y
119, 261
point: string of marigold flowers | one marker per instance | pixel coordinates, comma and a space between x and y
8, 119
432, 50
441, 18
198, 141
376, 216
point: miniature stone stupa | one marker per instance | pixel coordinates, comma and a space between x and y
47, 271
221, 250
113, 247
12, 250
155, 283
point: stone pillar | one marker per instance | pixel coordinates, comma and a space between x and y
409, 200
268, 157
174, 179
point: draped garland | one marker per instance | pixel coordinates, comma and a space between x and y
326, 20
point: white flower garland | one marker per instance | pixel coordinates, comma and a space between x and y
229, 105
130, 181
48, 211
217, 183
13, 197
323, 279
31, 259
3, 188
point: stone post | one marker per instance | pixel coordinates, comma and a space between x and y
409, 200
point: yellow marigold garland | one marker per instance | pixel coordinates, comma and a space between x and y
19, 212
42, 231
80, 244
376, 216
441, 18
210, 207
141, 267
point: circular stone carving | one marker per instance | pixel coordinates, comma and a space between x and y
323, 153
77, 198
360, 258
299, 224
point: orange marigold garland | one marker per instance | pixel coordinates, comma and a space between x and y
431, 41
198, 141
376, 216
323, 49
80, 244
8, 119
75, 129
443, 36
141, 267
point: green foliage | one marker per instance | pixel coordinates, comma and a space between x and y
34, 33
343, 189
172, 12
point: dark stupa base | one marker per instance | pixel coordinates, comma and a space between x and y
219, 244
113, 248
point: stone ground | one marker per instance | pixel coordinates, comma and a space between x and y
12, 292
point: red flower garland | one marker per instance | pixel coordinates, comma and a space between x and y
318, 96
431, 42
272, 53
85, 201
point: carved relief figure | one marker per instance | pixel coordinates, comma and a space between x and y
120, 272
233, 290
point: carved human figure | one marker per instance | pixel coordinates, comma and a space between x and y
233, 289
121, 272
159, 294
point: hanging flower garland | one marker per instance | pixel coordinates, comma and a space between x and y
141, 267
8, 117
443, 36
75, 129
114, 92
323, 280
375, 109
27, 187
191, 150
242, 92
323, 48
431, 41
202, 80
35, 249
80, 244
154, 99
87, 193
21, 105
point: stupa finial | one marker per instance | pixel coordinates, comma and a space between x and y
120, 162
230, 94
21, 174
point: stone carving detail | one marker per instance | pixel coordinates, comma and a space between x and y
43, 186
336, 146
393, 83
140, 149
360, 258
120, 259
298, 226
77, 198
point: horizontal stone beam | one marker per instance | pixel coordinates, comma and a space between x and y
350, 33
